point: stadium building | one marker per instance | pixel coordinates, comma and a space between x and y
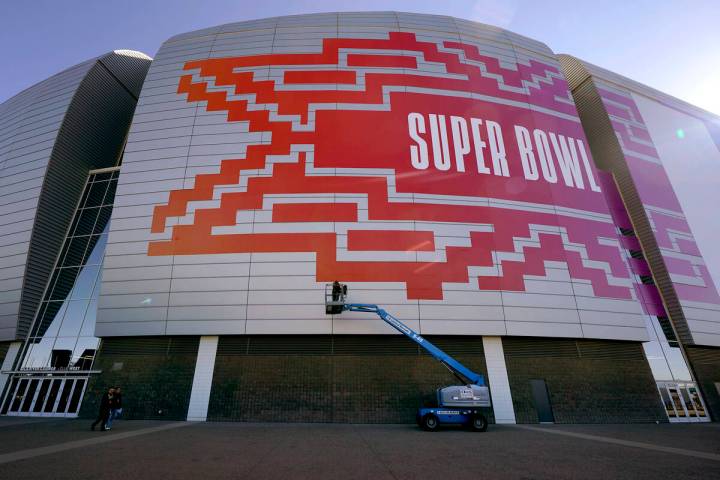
169, 225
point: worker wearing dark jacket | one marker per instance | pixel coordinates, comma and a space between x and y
105, 401
115, 407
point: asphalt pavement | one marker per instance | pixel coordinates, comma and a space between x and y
66, 449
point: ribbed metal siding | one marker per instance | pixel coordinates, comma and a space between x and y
359, 345
534, 347
150, 346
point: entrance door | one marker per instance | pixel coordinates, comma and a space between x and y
45, 396
682, 402
542, 401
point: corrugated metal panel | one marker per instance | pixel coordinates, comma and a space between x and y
150, 346
536, 347
373, 345
362, 345
610, 350
517, 347
704, 356
126, 66
289, 345
458, 345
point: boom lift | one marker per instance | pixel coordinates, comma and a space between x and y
457, 404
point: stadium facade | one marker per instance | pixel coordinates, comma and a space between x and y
168, 225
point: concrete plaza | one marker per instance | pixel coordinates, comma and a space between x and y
67, 449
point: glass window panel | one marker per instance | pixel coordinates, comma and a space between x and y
19, 395
45, 317
84, 353
10, 396
86, 219
695, 397
96, 194
110, 195
73, 319
92, 241
98, 251
99, 177
62, 352
83, 199
75, 251
60, 358
29, 395
65, 280
667, 401
39, 353
688, 404
103, 218
42, 395
675, 396
88, 326
85, 283
75, 399
65, 395
52, 395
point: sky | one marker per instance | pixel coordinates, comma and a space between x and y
673, 46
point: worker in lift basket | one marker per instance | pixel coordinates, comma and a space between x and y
336, 291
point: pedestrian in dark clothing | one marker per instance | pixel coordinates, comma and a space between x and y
115, 407
105, 402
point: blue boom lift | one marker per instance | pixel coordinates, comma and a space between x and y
457, 404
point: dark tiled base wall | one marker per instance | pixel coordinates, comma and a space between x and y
339, 379
706, 364
371, 379
589, 381
155, 373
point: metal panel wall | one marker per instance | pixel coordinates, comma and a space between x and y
268, 157
29, 124
50, 136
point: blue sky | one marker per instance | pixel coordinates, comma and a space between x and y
670, 45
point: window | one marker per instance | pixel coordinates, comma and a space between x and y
62, 334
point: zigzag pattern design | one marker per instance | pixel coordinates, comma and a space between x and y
566, 239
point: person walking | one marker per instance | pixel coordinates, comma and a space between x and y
115, 407
105, 401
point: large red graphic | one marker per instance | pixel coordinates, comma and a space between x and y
335, 129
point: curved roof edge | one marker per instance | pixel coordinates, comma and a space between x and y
402, 19
122, 54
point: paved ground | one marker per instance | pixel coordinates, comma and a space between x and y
40, 448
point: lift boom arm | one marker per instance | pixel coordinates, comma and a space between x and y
458, 369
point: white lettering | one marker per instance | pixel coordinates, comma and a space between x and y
438, 134
497, 149
479, 145
419, 152
460, 141
545, 156
527, 157
567, 159
539, 155
591, 178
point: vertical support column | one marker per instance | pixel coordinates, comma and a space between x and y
202, 380
7, 364
498, 379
